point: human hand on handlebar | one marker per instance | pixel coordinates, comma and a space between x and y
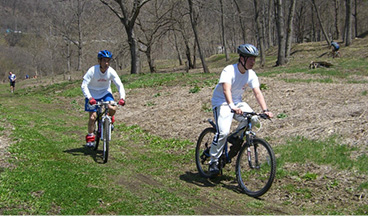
269, 114
121, 102
237, 110
92, 101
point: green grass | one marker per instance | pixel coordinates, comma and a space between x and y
329, 151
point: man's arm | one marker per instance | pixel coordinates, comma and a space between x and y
261, 101
119, 85
229, 98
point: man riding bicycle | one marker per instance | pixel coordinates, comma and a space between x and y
96, 86
227, 101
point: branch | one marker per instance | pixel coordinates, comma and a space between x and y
112, 9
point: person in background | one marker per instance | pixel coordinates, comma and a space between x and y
96, 86
335, 49
227, 102
12, 79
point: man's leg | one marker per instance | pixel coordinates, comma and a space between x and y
223, 118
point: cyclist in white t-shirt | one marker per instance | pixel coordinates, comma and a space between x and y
96, 86
227, 97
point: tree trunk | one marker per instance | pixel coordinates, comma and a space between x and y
356, 18
270, 41
348, 25
327, 38
178, 50
337, 29
240, 21
150, 60
281, 33
80, 36
289, 35
134, 53
194, 27
260, 37
223, 31
188, 54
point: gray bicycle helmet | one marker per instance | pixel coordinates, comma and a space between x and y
248, 50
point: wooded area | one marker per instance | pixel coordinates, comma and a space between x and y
44, 38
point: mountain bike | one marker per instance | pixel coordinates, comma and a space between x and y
255, 166
103, 127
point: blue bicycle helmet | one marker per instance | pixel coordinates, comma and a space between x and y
104, 54
248, 50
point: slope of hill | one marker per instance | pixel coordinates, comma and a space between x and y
319, 136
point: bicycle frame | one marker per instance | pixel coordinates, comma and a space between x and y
248, 134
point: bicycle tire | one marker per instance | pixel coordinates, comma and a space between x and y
97, 134
106, 139
256, 180
203, 146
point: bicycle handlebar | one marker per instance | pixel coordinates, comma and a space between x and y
262, 115
101, 103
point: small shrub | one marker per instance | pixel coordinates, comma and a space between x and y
196, 89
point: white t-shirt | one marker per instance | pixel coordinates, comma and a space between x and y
97, 84
239, 82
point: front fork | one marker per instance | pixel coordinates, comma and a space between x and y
105, 118
249, 152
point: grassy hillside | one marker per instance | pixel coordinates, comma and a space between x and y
45, 169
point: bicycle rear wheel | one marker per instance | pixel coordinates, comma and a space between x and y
202, 154
106, 139
256, 168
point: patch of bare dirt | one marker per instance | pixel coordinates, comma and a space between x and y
314, 110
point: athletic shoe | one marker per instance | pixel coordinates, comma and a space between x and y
213, 168
90, 139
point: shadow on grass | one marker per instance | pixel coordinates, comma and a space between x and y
224, 180
85, 151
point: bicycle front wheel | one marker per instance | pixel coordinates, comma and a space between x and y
202, 154
106, 139
256, 168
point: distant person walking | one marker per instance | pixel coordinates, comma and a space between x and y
335, 49
12, 79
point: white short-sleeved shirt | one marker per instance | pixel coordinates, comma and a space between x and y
239, 82
97, 84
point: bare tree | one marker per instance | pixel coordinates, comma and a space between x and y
154, 29
181, 26
289, 35
223, 31
128, 19
194, 27
337, 29
242, 26
260, 36
176, 44
348, 22
269, 24
281, 60
327, 38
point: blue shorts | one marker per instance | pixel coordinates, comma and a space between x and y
91, 108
